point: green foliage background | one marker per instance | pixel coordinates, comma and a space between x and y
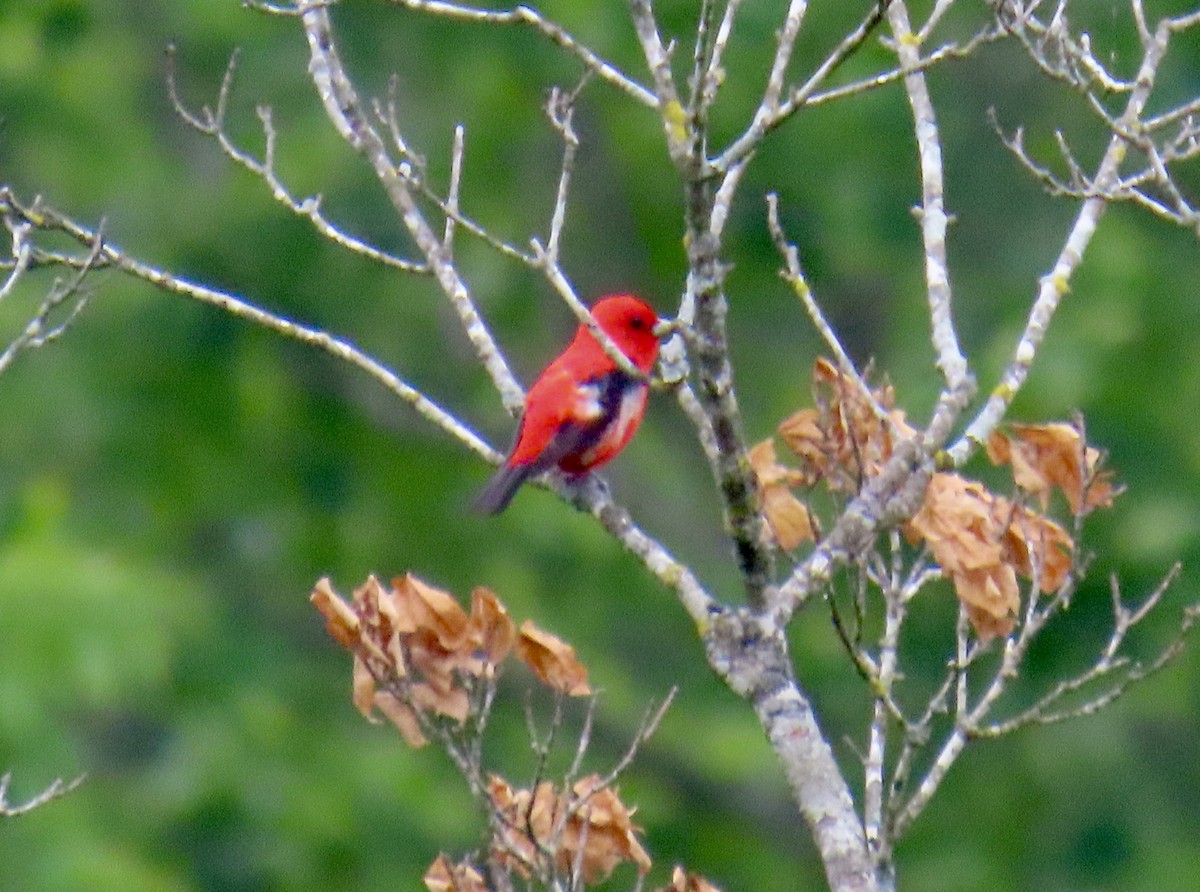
173, 481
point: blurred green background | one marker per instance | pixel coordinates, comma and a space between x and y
172, 481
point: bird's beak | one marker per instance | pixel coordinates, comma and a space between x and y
664, 328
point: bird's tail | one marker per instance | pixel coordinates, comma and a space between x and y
501, 488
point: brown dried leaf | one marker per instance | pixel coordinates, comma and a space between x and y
964, 525
986, 625
611, 836
1044, 456
434, 610
437, 665
340, 619
959, 521
767, 468
993, 598
491, 627
449, 700
1037, 541
502, 794
552, 660
363, 690
384, 620
512, 844
790, 522
443, 876
789, 518
682, 881
403, 717
802, 433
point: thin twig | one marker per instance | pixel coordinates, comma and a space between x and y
214, 124
456, 167
22, 250
773, 111
38, 330
546, 258
793, 274
714, 73
57, 789
649, 724
529, 17
785, 43
678, 129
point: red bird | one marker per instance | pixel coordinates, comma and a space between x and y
583, 409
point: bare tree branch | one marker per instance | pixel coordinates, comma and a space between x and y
713, 74
703, 311
794, 276
891, 496
753, 660
56, 790
932, 215
560, 110
213, 123
680, 132
531, 18
39, 330
345, 110
1108, 678
105, 254
1047, 709
903, 762
1055, 284
947, 52
772, 110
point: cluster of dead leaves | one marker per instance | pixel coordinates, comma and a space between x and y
604, 843
584, 829
982, 541
558, 831
585, 825
844, 440
1049, 456
417, 653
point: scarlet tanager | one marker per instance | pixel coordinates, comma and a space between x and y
582, 409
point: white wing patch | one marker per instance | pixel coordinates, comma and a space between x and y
587, 402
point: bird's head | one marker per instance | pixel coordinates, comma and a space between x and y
633, 326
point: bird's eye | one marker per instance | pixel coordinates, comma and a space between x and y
637, 322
